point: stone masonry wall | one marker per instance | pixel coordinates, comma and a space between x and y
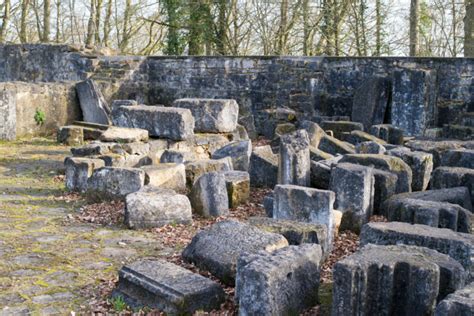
309, 85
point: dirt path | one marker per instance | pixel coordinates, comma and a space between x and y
48, 263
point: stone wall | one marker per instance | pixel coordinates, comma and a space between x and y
309, 85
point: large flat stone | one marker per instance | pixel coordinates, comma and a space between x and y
159, 121
340, 127
315, 132
124, 135
195, 169
335, 146
421, 164
212, 115
217, 249
114, 183
238, 151
166, 176
460, 303
167, 287
263, 167
155, 207
463, 158
93, 105
79, 170
283, 282
450, 177
209, 195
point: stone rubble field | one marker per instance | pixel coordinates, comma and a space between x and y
213, 222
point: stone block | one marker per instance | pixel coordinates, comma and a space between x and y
155, 207
211, 115
166, 175
317, 155
176, 156
283, 282
70, 135
450, 177
263, 167
413, 106
463, 158
435, 214
458, 246
460, 303
268, 205
218, 248
118, 103
78, 171
386, 163
124, 160
304, 204
124, 135
354, 189
339, 127
209, 195
111, 183
370, 147
136, 148
195, 169
421, 164
238, 151
93, 104
436, 148
393, 280
159, 121
295, 232
335, 146
238, 187
371, 100
92, 149
315, 132
388, 133
356, 137
385, 186
294, 163
168, 288
320, 175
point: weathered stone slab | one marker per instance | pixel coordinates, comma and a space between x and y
421, 164
393, 280
435, 214
93, 105
268, 204
315, 132
388, 133
156, 207
239, 152
356, 137
209, 195
92, 149
436, 148
461, 303
294, 163
195, 169
217, 249
317, 155
335, 146
70, 135
263, 167
124, 160
159, 121
211, 115
137, 148
238, 187
354, 189
295, 232
124, 135
304, 204
387, 163
176, 156
118, 103
458, 246
78, 171
370, 147
385, 186
456, 195
339, 127
450, 177
463, 158
167, 287
320, 175
166, 176
371, 100
114, 183
413, 106
283, 282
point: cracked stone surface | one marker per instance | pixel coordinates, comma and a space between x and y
49, 264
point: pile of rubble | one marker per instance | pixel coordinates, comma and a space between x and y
327, 174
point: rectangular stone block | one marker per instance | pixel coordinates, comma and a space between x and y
195, 169
340, 127
389, 133
159, 121
456, 195
294, 163
78, 171
211, 115
460, 302
263, 167
421, 164
283, 282
450, 177
93, 105
167, 287
112, 183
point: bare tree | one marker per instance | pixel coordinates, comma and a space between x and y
5, 20
90, 25
469, 29
25, 5
46, 21
414, 12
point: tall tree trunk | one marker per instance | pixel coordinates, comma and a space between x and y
469, 29
98, 11
172, 8
306, 31
199, 26
58, 16
126, 24
363, 27
328, 28
108, 15
281, 45
221, 38
46, 20
90, 26
414, 13
378, 28
5, 20
25, 5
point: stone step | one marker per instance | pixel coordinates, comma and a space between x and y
458, 132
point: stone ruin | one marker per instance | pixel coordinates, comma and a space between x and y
397, 144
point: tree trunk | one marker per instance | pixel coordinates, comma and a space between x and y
469, 29
197, 27
378, 29
46, 20
414, 13
58, 16
221, 39
281, 45
5, 20
126, 22
108, 14
98, 11
90, 26
173, 39
306, 30
25, 5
